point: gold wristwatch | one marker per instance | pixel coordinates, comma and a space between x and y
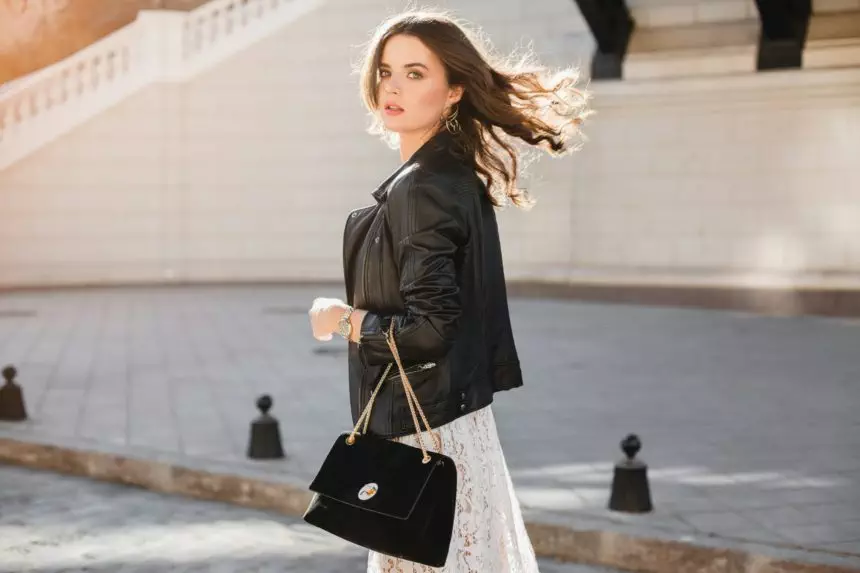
344, 325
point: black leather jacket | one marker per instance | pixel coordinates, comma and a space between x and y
427, 258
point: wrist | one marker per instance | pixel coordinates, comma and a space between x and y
336, 313
356, 319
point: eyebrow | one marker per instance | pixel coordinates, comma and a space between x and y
412, 65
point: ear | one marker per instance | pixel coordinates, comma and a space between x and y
455, 94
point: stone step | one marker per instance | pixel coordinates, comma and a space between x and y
833, 41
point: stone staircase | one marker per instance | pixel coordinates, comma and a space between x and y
158, 46
673, 39
34, 35
833, 41
679, 38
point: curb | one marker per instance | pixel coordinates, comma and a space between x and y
588, 546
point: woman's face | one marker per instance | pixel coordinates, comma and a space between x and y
413, 91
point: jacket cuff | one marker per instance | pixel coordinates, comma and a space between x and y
373, 344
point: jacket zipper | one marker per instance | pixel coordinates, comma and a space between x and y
368, 391
394, 376
415, 369
371, 234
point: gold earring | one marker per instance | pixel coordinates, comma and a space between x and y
451, 123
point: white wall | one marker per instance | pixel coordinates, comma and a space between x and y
247, 172
750, 180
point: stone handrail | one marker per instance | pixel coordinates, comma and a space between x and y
159, 45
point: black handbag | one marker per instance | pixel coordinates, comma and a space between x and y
387, 496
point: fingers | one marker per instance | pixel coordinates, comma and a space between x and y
316, 315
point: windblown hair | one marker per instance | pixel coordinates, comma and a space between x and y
504, 103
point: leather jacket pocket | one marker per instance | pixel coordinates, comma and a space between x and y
411, 370
425, 382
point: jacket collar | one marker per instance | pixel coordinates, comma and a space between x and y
438, 144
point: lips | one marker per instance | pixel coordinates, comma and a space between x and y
392, 108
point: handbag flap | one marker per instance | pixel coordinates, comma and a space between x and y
375, 474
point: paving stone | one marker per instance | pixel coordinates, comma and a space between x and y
53, 524
747, 417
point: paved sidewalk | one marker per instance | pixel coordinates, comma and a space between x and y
51, 523
749, 423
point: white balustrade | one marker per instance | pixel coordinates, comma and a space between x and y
158, 46
43, 105
224, 27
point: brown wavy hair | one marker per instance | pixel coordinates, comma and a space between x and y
505, 102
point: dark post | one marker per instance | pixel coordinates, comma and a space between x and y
783, 33
630, 491
611, 25
11, 398
265, 441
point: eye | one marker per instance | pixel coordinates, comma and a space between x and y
417, 75
384, 73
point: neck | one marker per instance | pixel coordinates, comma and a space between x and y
411, 141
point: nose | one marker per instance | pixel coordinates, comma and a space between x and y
391, 87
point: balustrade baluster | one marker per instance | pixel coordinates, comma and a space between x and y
95, 72
187, 36
246, 9
215, 26
65, 86
110, 66
229, 19
25, 107
80, 74
40, 99
9, 118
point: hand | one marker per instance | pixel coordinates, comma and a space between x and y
324, 315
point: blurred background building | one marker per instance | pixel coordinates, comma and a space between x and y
193, 141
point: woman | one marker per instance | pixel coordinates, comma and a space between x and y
425, 259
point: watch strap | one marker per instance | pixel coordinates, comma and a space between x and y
344, 325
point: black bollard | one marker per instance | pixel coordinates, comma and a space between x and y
265, 442
11, 398
630, 491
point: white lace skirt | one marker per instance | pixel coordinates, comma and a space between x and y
489, 534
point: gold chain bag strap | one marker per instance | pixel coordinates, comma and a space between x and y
385, 495
411, 400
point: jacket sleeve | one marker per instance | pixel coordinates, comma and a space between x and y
428, 227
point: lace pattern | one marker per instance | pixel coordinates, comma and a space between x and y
489, 533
